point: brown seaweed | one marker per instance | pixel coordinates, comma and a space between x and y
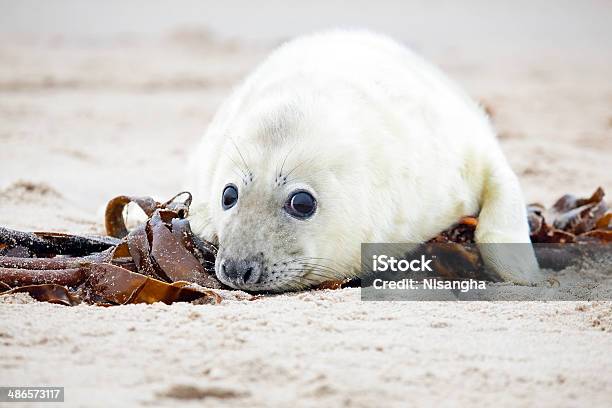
50, 292
121, 286
159, 261
572, 220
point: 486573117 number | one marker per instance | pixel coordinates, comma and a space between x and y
38, 394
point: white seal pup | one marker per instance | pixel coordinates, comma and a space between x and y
341, 138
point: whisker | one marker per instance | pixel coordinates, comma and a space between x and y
338, 264
215, 247
244, 175
321, 267
280, 172
311, 172
324, 275
241, 156
314, 271
298, 165
241, 177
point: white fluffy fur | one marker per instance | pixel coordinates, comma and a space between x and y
391, 148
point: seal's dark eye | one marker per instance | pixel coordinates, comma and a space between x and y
229, 196
301, 204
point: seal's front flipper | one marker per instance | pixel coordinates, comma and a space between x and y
511, 262
502, 234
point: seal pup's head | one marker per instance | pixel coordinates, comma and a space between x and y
286, 202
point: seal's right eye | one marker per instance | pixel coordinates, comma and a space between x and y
229, 196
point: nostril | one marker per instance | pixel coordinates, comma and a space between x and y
247, 273
253, 272
227, 269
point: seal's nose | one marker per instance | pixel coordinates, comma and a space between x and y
241, 271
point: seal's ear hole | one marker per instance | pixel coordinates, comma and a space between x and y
229, 197
301, 204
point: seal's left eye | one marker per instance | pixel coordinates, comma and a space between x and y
301, 204
229, 196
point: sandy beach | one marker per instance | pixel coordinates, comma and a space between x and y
88, 115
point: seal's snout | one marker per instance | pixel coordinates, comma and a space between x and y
240, 272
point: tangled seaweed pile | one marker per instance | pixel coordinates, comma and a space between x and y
574, 221
163, 261
159, 261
